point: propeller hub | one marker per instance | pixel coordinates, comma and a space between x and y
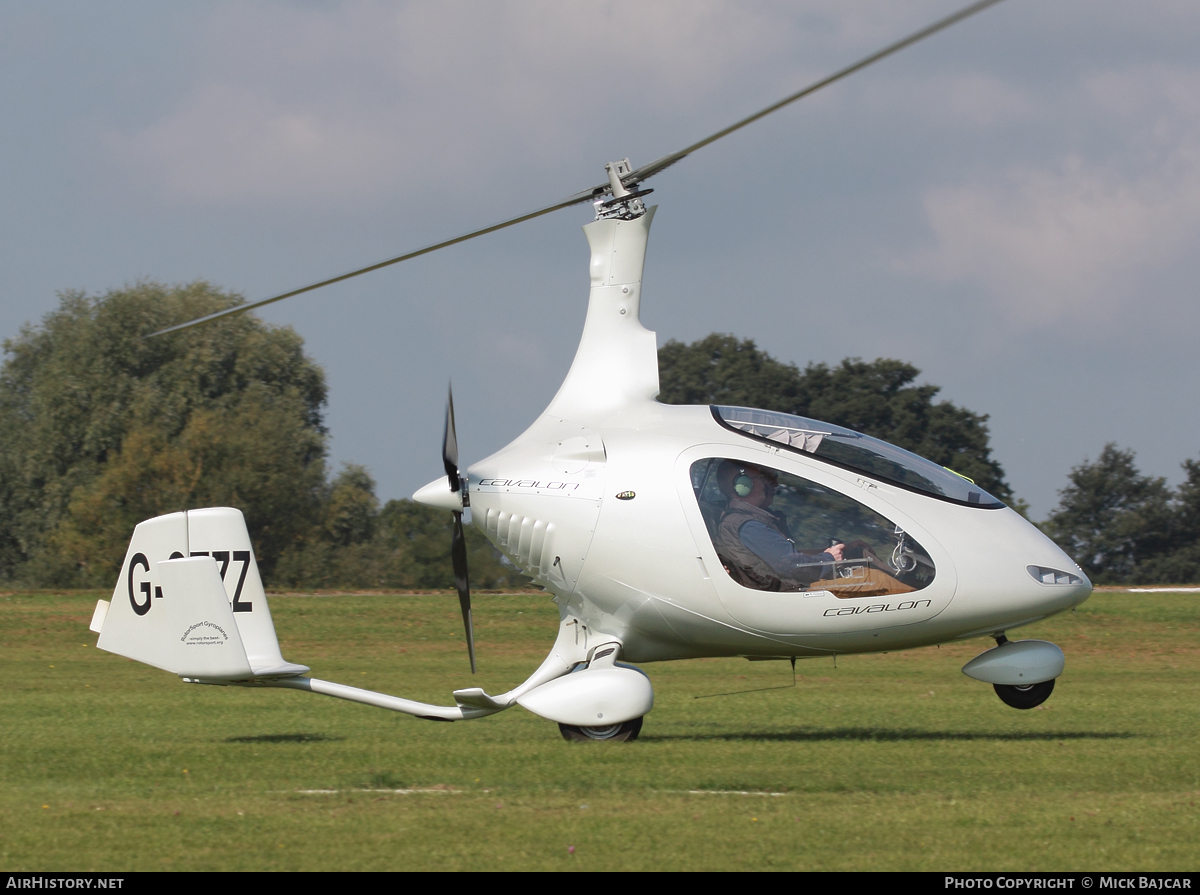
437, 494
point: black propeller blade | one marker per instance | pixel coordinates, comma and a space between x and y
628, 180
458, 543
450, 445
458, 554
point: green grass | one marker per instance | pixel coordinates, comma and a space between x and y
886, 762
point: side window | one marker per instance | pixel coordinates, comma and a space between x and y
779, 532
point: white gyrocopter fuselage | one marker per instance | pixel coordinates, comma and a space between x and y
623, 509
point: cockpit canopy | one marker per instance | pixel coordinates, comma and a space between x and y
773, 536
853, 450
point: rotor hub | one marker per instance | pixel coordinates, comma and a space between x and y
626, 204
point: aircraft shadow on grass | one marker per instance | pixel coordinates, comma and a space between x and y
285, 738
881, 734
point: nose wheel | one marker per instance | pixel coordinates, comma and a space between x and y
625, 732
1025, 697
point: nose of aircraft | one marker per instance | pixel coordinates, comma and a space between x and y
1009, 571
1058, 588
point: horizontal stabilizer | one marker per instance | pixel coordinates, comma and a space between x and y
475, 698
98, 615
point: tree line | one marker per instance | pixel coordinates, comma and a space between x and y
1123, 527
101, 429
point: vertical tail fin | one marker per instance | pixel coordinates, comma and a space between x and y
190, 600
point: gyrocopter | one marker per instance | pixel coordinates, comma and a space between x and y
662, 532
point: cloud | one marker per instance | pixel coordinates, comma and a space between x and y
360, 99
1068, 241
325, 103
228, 143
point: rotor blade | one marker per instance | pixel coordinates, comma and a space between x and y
458, 554
578, 198
450, 445
649, 170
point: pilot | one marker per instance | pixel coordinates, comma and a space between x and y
753, 541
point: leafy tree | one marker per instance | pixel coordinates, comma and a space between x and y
350, 508
417, 539
404, 546
101, 428
1183, 562
876, 398
719, 369
1115, 522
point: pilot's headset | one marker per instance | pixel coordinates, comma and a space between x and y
742, 482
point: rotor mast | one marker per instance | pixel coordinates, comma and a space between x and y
616, 364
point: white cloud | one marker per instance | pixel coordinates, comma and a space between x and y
228, 143
980, 100
363, 98
1070, 240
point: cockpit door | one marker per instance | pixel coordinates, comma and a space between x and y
842, 507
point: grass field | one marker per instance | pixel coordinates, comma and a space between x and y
884, 762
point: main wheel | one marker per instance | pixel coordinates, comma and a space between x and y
1026, 697
625, 732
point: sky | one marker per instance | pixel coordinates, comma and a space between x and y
1013, 205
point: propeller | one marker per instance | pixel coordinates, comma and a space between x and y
618, 184
458, 543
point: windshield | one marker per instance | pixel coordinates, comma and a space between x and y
853, 450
